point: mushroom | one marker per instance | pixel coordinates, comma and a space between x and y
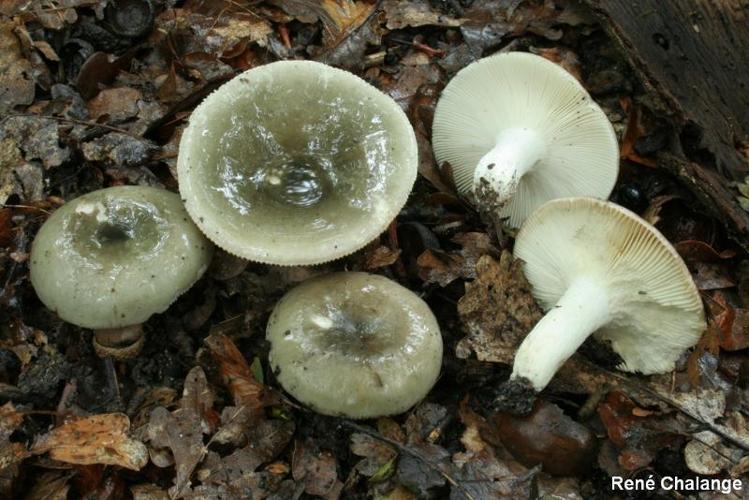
517, 130
296, 163
111, 258
600, 269
354, 344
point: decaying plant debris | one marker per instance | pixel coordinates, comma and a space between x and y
86, 105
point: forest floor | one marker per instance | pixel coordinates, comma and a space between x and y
88, 102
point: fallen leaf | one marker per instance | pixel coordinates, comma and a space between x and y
379, 458
705, 454
11, 454
316, 469
401, 14
99, 439
198, 398
148, 492
564, 58
267, 439
381, 256
118, 149
237, 374
635, 129
16, 83
116, 104
737, 338
497, 310
37, 137
181, 433
437, 266
699, 251
50, 485
99, 69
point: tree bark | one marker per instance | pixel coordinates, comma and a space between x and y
694, 55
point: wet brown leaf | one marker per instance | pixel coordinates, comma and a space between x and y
437, 266
99, 439
564, 58
99, 69
699, 251
738, 337
381, 256
635, 130
116, 104
237, 375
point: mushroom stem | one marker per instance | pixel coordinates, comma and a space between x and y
119, 343
582, 309
515, 153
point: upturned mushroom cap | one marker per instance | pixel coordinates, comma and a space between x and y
528, 130
355, 344
296, 163
112, 258
597, 267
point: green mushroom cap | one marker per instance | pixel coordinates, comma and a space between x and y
296, 163
113, 257
355, 344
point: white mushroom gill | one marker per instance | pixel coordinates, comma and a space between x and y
599, 269
524, 128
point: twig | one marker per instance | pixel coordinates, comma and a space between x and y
28, 207
408, 451
637, 385
78, 122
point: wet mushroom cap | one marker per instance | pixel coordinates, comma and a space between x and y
354, 344
651, 311
296, 163
113, 257
533, 125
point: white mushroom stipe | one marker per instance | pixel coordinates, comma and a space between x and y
516, 152
296, 163
354, 344
600, 269
517, 130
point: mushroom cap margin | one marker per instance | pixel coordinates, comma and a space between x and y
270, 242
523, 90
87, 288
383, 375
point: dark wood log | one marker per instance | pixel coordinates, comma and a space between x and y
694, 56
